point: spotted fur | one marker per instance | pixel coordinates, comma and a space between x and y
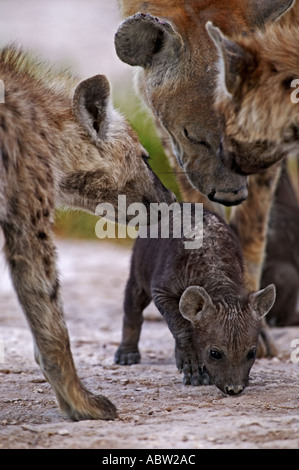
60, 143
201, 294
256, 95
176, 40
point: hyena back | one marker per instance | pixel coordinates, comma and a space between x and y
58, 150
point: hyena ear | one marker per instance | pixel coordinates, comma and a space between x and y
90, 103
263, 300
196, 303
267, 11
236, 62
141, 37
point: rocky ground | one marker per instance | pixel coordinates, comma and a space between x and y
155, 410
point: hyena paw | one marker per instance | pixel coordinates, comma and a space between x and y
127, 358
200, 377
188, 363
89, 407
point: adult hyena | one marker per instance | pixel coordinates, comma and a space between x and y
177, 60
257, 97
176, 78
58, 150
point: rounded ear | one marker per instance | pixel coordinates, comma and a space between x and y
263, 300
195, 303
267, 11
236, 62
90, 103
142, 36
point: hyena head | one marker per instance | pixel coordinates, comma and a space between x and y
177, 78
226, 333
255, 97
123, 167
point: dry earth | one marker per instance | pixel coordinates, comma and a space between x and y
155, 410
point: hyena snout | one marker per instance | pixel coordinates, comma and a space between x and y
162, 194
230, 197
234, 389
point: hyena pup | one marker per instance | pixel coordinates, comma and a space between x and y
60, 143
202, 296
256, 96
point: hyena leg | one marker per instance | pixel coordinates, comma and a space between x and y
136, 300
187, 358
285, 277
31, 257
250, 221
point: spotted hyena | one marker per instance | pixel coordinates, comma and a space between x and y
257, 96
176, 62
202, 296
60, 143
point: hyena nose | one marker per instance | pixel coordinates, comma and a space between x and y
234, 389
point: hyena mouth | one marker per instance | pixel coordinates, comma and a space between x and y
229, 198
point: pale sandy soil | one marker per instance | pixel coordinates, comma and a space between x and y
155, 410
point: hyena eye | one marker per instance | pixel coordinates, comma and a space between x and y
195, 140
215, 355
251, 355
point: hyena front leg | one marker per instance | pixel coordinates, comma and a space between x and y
250, 220
136, 300
31, 256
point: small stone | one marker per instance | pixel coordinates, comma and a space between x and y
63, 432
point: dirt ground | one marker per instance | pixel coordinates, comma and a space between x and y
155, 410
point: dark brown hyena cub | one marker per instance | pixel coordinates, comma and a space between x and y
202, 296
